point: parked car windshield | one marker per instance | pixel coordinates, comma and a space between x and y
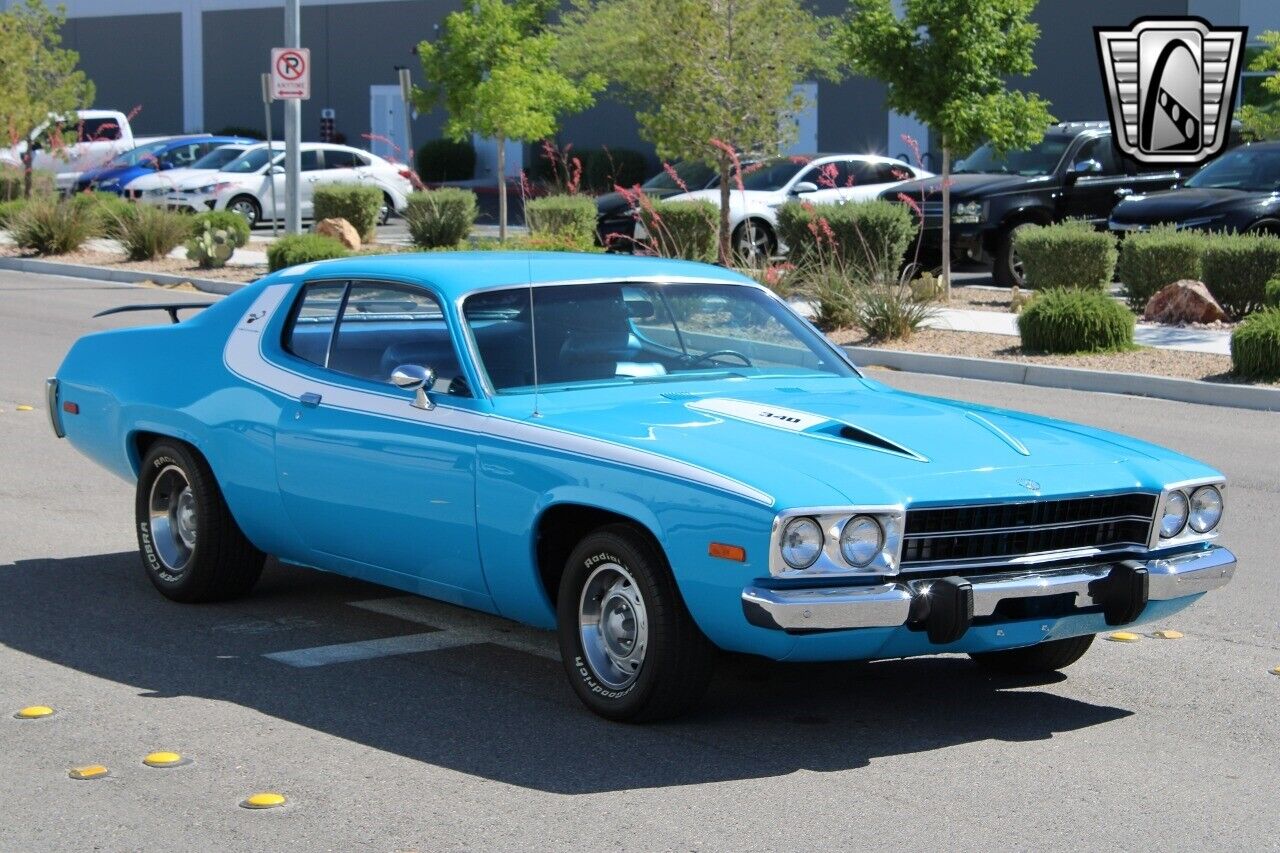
771, 175
217, 158
1040, 159
694, 176
1251, 170
252, 161
591, 335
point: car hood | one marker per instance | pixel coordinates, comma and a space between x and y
810, 442
616, 204
104, 174
969, 185
1186, 203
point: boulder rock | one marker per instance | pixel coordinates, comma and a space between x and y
341, 230
1184, 301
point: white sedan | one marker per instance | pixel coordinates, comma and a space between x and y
769, 184
155, 188
253, 184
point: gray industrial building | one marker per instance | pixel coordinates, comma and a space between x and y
194, 65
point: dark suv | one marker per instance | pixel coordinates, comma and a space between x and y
1074, 171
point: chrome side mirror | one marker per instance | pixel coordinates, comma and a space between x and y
413, 377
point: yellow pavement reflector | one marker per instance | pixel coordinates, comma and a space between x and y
89, 771
1276, 671
163, 759
24, 408
1167, 634
1123, 637
263, 800
34, 712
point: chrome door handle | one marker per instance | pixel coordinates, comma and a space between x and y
310, 399
1123, 191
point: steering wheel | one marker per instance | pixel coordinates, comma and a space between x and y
710, 357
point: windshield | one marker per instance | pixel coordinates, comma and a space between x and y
771, 175
252, 161
143, 155
624, 334
693, 175
218, 157
1040, 159
1241, 169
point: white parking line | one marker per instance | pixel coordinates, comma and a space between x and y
456, 628
367, 649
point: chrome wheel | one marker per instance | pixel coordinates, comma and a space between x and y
753, 242
173, 518
246, 208
614, 626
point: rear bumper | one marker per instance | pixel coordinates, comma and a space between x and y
51, 402
946, 607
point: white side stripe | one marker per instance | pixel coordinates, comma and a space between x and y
243, 357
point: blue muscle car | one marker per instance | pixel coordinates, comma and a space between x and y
657, 459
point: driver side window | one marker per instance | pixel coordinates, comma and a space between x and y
1104, 152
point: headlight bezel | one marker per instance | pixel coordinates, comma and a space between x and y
831, 562
1187, 534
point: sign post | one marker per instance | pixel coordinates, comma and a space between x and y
271, 151
406, 94
291, 82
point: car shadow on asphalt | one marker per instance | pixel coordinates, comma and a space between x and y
497, 712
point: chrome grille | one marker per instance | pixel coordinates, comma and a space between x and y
1006, 531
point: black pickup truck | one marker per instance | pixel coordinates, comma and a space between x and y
1073, 172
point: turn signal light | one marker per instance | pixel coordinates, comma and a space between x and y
728, 552
71, 408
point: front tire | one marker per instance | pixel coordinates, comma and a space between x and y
1008, 270
248, 208
630, 648
192, 549
1049, 656
754, 242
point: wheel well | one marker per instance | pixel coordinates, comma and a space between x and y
1265, 226
140, 443
1022, 217
559, 531
755, 222
246, 196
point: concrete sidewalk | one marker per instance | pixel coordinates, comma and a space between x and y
1216, 341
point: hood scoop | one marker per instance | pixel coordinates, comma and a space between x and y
858, 435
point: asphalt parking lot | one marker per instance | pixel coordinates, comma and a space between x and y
392, 723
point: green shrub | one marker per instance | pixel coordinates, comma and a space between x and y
890, 311
225, 220
602, 169
9, 209
571, 217
1151, 260
440, 218
1255, 346
1068, 320
1237, 267
297, 249
12, 183
681, 229
107, 211
237, 130
150, 232
872, 234
50, 227
1271, 297
211, 247
533, 243
445, 160
358, 204
1071, 254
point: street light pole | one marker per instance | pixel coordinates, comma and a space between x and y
292, 127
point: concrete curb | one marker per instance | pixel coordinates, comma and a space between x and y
207, 285
1047, 376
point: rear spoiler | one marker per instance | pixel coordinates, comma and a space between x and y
172, 307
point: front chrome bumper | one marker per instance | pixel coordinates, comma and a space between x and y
1120, 588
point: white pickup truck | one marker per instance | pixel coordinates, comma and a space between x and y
99, 136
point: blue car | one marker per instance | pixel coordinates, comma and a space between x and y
656, 459
149, 158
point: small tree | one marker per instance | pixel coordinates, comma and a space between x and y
710, 80
492, 70
1262, 121
946, 63
37, 76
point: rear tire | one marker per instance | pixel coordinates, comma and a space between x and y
1007, 271
1049, 656
192, 549
630, 648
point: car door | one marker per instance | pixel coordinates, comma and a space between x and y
1096, 180
312, 174
831, 178
373, 485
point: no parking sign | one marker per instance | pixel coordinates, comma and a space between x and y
290, 73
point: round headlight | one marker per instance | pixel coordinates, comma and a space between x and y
801, 542
860, 540
1174, 516
1206, 509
